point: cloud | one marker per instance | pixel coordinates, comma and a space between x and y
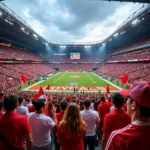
72, 20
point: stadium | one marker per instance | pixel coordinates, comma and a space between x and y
43, 55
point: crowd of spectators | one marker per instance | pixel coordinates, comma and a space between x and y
75, 122
19, 54
135, 71
145, 54
10, 75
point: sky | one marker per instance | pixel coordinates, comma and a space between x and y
73, 20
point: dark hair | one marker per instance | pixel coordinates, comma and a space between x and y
63, 104
1, 104
103, 99
144, 111
87, 103
10, 102
39, 104
117, 99
20, 100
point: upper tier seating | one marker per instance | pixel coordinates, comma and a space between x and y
9, 53
136, 71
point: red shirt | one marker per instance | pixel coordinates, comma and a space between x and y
103, 109
31, 109
13, 127
132, 137
59, 116
48, 112
1, 114
70, 142
117, 119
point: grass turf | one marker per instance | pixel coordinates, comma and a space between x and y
86, 79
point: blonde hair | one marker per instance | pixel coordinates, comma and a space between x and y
72, 120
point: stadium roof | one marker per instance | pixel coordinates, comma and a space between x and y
135, 1
16, 31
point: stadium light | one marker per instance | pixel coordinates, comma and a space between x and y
11, 23
110, 40
22, 28
122, 32
0, 13
62, 46
87, 46
116, 34
135, 22
104, 44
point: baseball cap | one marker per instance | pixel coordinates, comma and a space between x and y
139, 92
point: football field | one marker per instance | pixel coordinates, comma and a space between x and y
83, 81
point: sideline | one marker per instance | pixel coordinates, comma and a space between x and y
108, 82
26, 89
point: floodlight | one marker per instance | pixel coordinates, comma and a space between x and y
116, 34
87, 46
62, 46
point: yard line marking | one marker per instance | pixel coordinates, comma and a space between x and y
108, 82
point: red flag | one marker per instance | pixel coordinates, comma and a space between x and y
107, 92
48, 87
24, 78
124, 79
40, 95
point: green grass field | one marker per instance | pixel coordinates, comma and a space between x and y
74, 78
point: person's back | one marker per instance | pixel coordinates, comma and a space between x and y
22, 110
41, 125
71, 129
117, 119
92, 121
14, 127
91, 118
135, 136
103, 109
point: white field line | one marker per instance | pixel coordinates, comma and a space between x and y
60, 77
72, 91
89, 77
108, 82
39, 82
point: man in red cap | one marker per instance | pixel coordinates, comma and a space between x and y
135, 136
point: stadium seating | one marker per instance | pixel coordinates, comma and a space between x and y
136, 71
10, 75
132, 55
19, 54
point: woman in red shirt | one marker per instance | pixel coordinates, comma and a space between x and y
72, 129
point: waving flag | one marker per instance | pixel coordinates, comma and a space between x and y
124, 79
40, 95
107, 92
48, 87
24, 78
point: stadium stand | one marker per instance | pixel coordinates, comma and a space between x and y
10, 75
14, 53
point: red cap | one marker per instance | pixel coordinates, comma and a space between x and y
140, 93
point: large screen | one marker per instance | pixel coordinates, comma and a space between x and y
74, 55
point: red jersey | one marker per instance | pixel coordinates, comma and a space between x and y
135, 136
48, 112
31, 109
13, 127
1, 114
59, 116
103, 109
70, 142
117, 119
